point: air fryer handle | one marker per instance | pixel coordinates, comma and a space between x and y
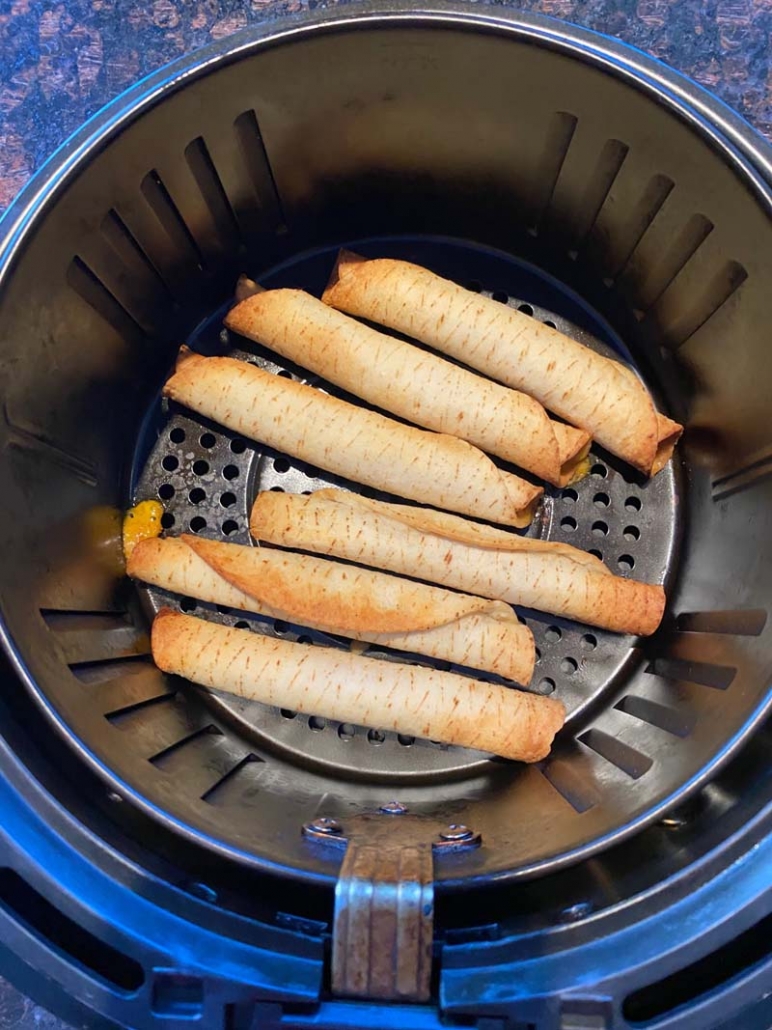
383, 928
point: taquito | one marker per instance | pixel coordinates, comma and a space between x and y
366, 691
551, 577
596, 393
350, 441
412, 383
327, 595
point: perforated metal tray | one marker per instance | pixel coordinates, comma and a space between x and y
208, 478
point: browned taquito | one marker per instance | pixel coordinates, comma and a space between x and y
350, 441
551, 577
412, 383
358, 603
602, 396
338, 685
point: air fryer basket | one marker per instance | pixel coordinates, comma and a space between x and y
504, 158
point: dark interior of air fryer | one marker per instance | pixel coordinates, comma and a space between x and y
519, 172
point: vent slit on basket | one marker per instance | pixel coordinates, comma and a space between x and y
560, 132
704, 673
577, 790
24, 435
95, 636
654, 195
129, 250
677, 722
93, 291
751, 474
166, 211
610, 161
741, 623
677, 321
631, 761
679, 251
118, 697
250, 139
109, 669
119, 715
161, 758
227, 789
208, 181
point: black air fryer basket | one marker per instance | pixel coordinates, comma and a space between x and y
170, 854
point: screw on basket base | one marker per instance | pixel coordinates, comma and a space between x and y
324, 824
393, 808
456, 833
324, 827
457, 837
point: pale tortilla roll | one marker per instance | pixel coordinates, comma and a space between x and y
365, 691
357, 603
602, 396
350, 441
412, 383
444, 549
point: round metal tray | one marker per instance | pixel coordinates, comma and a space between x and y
207, 479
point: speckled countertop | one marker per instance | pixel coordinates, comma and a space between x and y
60, 62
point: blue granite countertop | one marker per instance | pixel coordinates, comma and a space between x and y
60, 62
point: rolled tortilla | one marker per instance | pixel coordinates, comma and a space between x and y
338, 685
444, 549
350, 441
337, 598
409, 382
602, 396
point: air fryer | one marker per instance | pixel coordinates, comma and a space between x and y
171, 853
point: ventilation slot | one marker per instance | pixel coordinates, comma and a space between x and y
752, 474
219, 792
559, 135
56, 930
632, 762
200, 762
93, 673
704, 673
580, 794
165, 210
167, 758
673, 260
93, 291
157, 724
610, 161
686, 319
655, 714
208, 181
748, 623
86, 637
237, 785
643, 214
737, 957
28, 437
175, 269
251, 143
118, 716
126, 247
68, 621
